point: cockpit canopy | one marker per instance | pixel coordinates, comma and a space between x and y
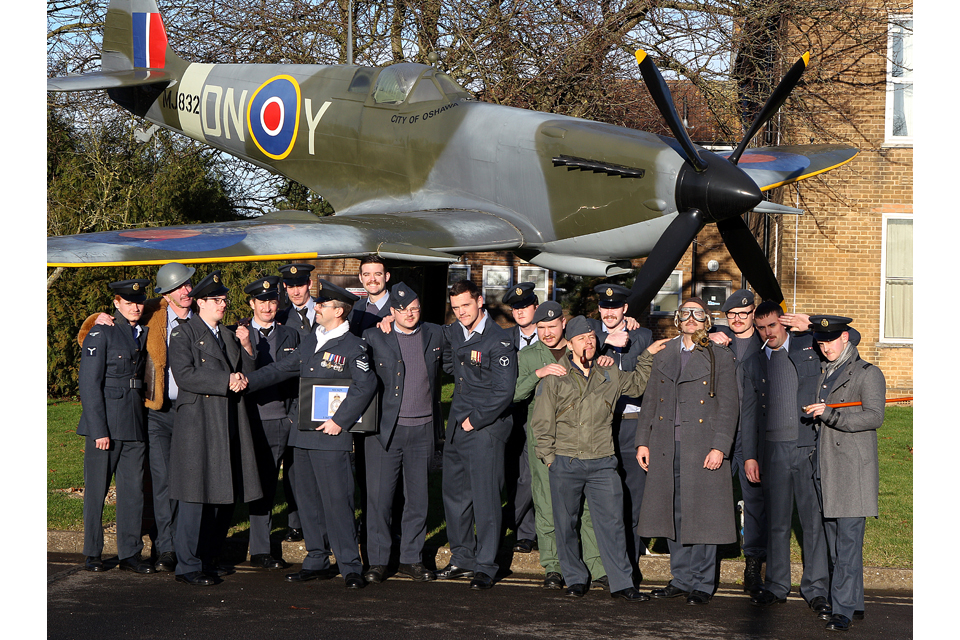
398, 83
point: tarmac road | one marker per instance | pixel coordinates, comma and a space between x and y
255, 603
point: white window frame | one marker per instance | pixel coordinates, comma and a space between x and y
502, 270
883, 278
455, 268
523, 275
677, 292
890, 140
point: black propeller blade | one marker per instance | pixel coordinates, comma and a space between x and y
662, 259
664, 101
749, 257
773, 104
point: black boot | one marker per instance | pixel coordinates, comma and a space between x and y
752, 582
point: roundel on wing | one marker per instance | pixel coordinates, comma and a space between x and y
273, 116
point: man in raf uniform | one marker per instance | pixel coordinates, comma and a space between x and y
519, 513
481, 358
687, 425
274, 416
111, 382
571, 421
407, 363
778, 443
213, 463
160, 315
612, 300
546, 357
325, 483
847, 466
301, 314
374, 277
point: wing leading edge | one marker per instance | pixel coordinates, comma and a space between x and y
421, 236
772, 167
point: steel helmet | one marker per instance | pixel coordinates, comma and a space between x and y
171, 276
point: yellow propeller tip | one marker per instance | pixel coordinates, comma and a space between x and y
641, 54
806, 58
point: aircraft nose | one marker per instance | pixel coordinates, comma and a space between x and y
721, 191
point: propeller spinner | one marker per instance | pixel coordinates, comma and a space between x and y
709, 188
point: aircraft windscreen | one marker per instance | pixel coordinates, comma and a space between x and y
448, 84
395, 82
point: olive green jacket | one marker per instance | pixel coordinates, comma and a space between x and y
573, 415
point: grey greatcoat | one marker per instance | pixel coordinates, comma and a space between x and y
706, 423
203, 466
847, 447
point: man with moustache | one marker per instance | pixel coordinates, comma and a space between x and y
213, 463
612, 303
571, 422
407, 362
687, 425
481, 358
325, 483
161, 316
111, 383
847, 464
275, 415
374, 277
518, 513
545, 357
779, 440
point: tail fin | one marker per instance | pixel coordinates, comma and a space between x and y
134, 38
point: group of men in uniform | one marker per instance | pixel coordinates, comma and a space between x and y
577, 418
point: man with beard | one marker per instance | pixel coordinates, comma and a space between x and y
571, 422
275, 416
847, 465
687, 424
161, 316
545, 357
213, 463
111, 381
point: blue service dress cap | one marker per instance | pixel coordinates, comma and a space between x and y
326, 290
295, 275
131, 290
267, 288
521, 295
211, 285
611, 296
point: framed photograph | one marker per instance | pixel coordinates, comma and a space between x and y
320, 398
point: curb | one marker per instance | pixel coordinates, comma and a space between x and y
654, 568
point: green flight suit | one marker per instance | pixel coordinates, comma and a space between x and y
529, 359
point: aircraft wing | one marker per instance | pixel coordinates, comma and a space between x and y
772, 167
422, 236
109, 80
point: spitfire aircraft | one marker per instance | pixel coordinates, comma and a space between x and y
418, 170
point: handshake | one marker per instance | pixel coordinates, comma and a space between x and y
238, 382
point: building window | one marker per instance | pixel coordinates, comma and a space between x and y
899, 109
457, 272
896, 304
539, 276
667, 299
496, 281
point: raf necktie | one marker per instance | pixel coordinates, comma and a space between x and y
265, 331
303, 316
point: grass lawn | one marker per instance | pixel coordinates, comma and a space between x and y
888, 543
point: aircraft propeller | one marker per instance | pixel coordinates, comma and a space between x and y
709, 188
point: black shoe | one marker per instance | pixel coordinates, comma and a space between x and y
266, 561
375, 574
838, 623
524, 545
668, 591
821, 607
354, 581
166, 562
294, 535
93, 563
136, 564
481, 581
858, 615
196, 578
752, 581
416, 571
214, 570
602, 581
576, 590
698, 597
553, 581
766, 598
450, 572
630, 593
311, 574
